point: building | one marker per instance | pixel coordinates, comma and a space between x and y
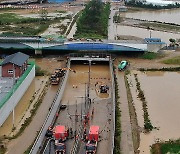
11, 92
14, 65
154, 44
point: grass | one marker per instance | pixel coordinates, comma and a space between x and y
170, 147
147, 123
171, 69
151, 55
175, 61
2, 147
13, 24
133, 116
117, 137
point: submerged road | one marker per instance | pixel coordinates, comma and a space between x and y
74, 99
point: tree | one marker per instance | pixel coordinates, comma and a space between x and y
43, 14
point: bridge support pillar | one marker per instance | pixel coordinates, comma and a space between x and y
38, 51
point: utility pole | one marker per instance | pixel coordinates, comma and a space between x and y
13, 94
89, 80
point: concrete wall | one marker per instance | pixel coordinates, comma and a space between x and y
15, 98
155, 47
0, 71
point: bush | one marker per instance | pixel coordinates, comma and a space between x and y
38, 71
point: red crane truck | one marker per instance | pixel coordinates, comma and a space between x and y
93, 137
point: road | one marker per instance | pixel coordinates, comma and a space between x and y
126, 143
112, 26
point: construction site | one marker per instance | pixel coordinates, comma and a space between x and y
81, 118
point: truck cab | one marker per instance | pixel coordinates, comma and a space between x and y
60, 135
60, 148
93, 137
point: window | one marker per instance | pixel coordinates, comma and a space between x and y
10, 71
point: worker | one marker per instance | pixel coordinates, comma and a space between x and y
70, 132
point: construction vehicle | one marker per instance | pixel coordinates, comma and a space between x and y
60, 135
59, 72
54, 79
91, 146
103, 88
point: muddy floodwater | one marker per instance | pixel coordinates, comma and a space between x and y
168, 16
21, 107
101, 103
161, 91
144, 33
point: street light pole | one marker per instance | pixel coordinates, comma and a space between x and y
13, 94
89, 80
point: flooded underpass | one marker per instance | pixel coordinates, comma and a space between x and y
100, 108
162, 95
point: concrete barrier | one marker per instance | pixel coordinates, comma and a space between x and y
51, 115
17, 94
113, 104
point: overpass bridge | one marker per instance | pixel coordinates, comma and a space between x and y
39, 44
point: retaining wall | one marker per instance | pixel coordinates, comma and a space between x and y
14, 96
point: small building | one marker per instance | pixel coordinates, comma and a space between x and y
154, 44
123, 9
14, 65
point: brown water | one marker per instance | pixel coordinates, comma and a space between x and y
21, 107
144, 33
77, 82
162, 95
75, 92
168, 16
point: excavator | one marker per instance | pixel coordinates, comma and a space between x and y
59, 72
102, 86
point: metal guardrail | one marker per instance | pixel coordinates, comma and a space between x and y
113, 101
51, 114
76, 143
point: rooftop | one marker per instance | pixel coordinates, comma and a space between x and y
17, 59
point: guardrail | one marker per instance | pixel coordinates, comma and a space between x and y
51, 114
76, 143
113, 101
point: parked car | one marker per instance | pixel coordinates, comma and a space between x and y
123, 65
